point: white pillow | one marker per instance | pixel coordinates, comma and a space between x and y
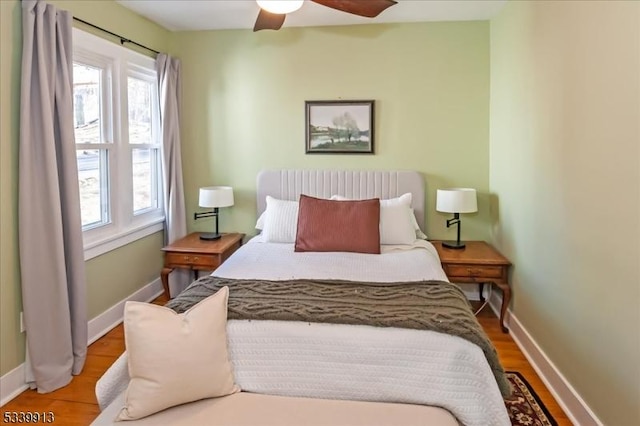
280, 221
176, 358
260, 222
419, 234
396, 224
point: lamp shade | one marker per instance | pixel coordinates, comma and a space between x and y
216, 196
280, 6
456, 200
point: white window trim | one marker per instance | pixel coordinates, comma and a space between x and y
105, 245
110, 237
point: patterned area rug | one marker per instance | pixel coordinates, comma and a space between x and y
525, 407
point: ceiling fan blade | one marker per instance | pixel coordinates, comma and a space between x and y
366, 8
268, 21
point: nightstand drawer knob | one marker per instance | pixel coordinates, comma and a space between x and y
186, 258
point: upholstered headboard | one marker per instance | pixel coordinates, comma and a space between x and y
356, 184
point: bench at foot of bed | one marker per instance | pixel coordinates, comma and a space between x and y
250, 409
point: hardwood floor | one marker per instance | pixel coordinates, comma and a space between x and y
76, 403
512, 359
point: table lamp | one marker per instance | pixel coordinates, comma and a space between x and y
213, 197
456, 201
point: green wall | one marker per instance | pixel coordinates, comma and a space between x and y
565, 138
110, 277
244, 94
11, 340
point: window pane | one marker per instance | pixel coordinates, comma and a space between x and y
92, 166
139, 111
144, 179
86, 103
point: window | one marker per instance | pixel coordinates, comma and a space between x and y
142, 136
117, 132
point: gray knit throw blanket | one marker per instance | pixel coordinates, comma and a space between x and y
425, 305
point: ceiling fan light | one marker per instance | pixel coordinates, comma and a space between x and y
280, 6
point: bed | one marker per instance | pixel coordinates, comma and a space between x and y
349, 355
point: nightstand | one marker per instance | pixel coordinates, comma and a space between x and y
477, 263
195, 254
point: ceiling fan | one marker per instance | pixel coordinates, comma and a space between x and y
272, 13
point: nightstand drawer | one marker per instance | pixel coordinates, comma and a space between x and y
475, 271
191, 260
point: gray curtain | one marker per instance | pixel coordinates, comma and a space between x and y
175, 214
50, 230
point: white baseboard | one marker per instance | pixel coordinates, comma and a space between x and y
106, 321
13, 383
471, 291
571, 402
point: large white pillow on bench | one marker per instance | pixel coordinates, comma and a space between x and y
176, 358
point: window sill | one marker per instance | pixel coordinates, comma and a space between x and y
97, 248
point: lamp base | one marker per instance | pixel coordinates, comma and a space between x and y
210, 237
453, 244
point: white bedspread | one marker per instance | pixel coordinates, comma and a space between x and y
367, 364
346, 361
272, 261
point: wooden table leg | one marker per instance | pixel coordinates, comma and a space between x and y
481, 291
506, 298
164, 277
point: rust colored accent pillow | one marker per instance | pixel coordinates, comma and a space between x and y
328, 225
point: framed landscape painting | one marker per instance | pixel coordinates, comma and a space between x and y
339, 127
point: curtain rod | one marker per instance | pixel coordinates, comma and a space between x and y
123, 40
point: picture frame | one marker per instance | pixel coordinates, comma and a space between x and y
339, 127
